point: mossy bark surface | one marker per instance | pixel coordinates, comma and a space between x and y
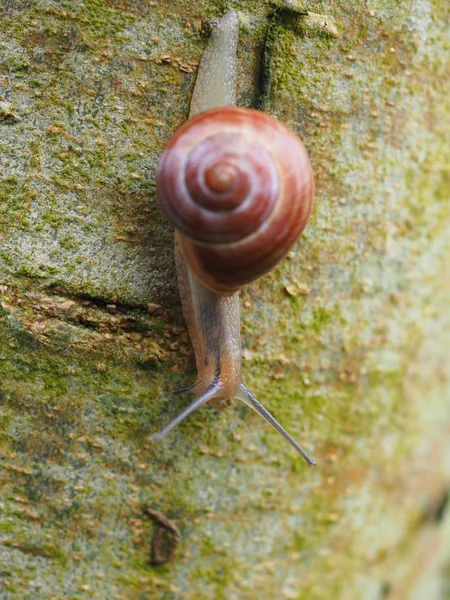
346, 342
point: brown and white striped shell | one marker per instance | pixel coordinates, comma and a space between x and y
238, 187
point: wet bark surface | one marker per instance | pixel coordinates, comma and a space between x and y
346, 342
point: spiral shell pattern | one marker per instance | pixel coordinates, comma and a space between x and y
238, 187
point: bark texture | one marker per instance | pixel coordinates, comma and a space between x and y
346, 342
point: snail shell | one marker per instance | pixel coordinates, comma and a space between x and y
238, 187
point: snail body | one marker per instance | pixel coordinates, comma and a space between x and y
238, 187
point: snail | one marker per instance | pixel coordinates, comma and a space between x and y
238, 187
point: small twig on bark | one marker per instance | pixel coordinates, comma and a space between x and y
166, 538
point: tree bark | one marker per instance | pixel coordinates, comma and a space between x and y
346, 342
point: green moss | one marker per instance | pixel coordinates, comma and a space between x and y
15, 65
45, 550
7, 527
84, 388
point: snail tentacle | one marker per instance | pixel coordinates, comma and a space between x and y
246, 396
208, 394
183, 390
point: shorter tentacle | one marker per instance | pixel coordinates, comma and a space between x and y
210, 392
246, 396
188, 388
